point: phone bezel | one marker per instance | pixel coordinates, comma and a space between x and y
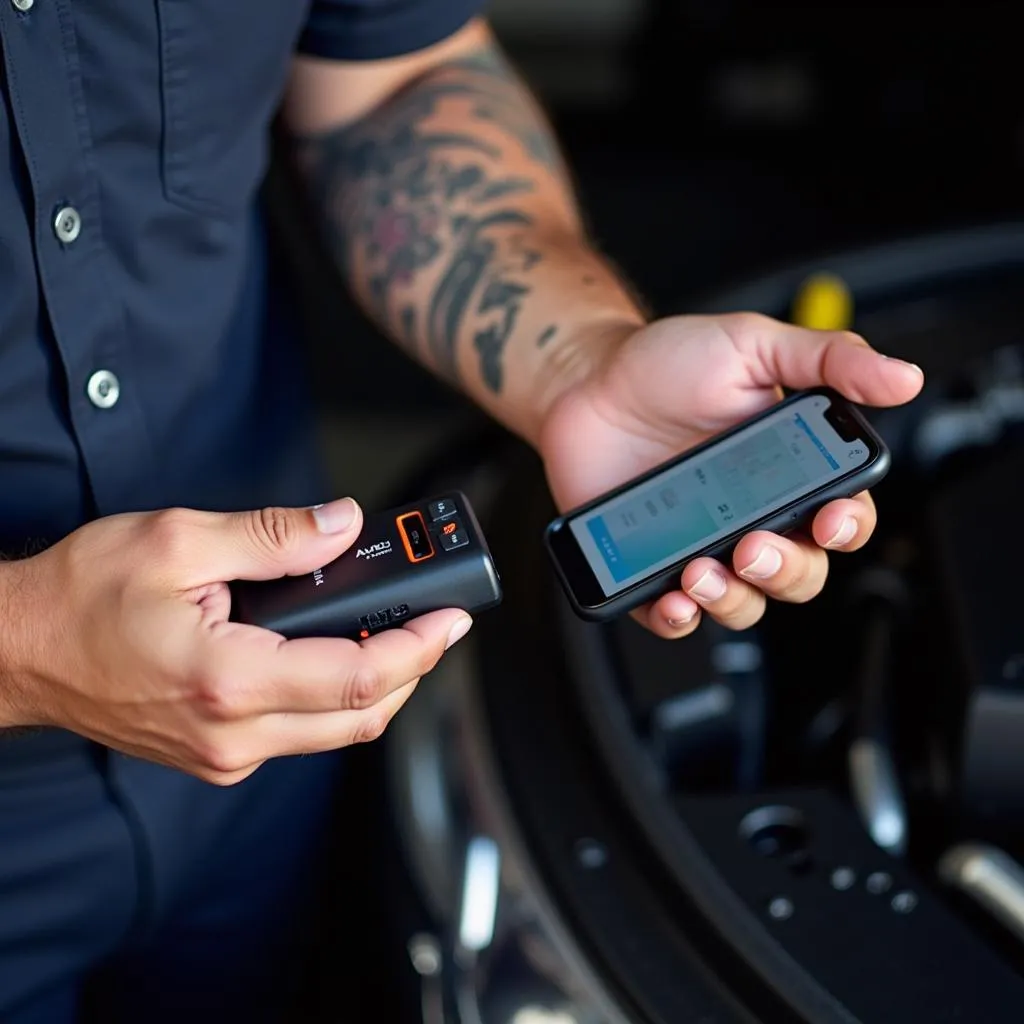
582, 585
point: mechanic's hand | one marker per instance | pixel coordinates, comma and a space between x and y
672, 384
122, 634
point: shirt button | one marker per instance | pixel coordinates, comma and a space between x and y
23, 5
67, 225
103, 389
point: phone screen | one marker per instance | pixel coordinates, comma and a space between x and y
722, 490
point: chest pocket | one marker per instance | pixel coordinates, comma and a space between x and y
223, 66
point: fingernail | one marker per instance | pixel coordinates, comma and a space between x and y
766, 565
679, 622
913, 366
846, 532
335, 516
710, 587
458, 631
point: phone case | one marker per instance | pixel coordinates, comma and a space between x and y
407, 561
786, 518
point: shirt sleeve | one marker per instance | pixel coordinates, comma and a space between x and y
375, 29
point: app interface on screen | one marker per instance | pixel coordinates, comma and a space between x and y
710, 496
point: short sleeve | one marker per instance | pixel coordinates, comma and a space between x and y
376, 29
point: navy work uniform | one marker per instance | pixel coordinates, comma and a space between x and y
147, 360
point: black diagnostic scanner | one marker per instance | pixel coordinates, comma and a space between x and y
406, 562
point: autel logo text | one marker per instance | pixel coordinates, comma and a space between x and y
382, 547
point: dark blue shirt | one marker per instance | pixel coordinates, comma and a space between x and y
146, 356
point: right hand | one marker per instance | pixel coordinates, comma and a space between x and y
121, 633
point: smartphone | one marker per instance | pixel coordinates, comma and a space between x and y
772, 472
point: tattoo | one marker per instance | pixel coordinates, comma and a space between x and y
502, 297
408, 321
508, 108
400, 197
504, 187
546, 335
537, 141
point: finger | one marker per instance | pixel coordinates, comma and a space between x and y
271, 542
796, 357
254, 672
729, 600
237, 750
314, 734
195, 548
372, 669
787, 569
845, 525
672, 616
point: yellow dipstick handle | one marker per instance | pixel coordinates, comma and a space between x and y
824, 303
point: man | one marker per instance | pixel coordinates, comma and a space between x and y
157, 826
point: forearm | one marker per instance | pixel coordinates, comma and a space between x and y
450, 212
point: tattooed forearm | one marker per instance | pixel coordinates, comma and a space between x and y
431, 218
450, 211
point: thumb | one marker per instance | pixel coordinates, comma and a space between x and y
798, 358
270, 542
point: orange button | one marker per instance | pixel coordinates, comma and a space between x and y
415, 538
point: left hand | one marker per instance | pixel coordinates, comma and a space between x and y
674, 383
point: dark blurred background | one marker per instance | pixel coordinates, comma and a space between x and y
714, 139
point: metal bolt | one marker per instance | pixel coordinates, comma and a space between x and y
879, 882
591, 854
843, 879
904, 902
